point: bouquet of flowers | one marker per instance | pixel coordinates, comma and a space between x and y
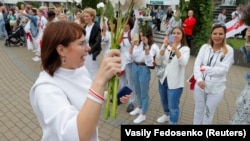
121, 6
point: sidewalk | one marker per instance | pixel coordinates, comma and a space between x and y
18, 122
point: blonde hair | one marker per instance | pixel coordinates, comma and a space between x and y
91, 11
58, 10
62, 17
224, 44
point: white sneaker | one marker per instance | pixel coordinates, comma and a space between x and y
163, 118
136, 111
140, 118
36, 58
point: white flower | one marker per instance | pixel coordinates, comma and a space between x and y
116, 2
100, 5
187, 0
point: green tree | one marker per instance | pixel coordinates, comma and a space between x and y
238, 2
203, 12
19, 4
90, 3
34, 4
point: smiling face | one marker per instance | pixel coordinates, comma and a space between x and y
218, 36
74, 54
88, 18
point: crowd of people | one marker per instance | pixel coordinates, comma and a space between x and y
68, 95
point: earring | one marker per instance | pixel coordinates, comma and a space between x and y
63, 59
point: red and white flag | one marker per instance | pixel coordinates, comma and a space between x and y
234, 26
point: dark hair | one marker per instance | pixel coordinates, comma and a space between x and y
51, 15
114, 24
64, 33
183, 39
78, 10
34, 10
13, 11
150, 36
131, 22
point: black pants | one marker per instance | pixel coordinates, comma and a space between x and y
189, 38
158, 24
8, 28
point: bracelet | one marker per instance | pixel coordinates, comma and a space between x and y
94, 93
91, 97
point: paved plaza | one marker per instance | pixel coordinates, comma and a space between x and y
18, 122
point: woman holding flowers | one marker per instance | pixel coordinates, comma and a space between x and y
65, 100
215, 58
142, 52
174, 55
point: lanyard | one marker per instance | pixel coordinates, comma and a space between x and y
172, 54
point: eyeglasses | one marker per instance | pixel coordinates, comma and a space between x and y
84, 43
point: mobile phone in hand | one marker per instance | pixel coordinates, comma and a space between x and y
136, 37
122, 92
171, 38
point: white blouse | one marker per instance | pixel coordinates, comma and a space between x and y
139, 54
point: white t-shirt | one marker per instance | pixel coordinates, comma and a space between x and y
88, 31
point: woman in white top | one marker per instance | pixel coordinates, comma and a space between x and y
42, 22
106, 36
174, 55
142, 53
210, 69
94, 38
222, 17
65, 100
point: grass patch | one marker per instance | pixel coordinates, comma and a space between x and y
236, 43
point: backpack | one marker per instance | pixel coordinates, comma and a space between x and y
129, 36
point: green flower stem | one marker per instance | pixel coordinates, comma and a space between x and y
107, 103
114, 96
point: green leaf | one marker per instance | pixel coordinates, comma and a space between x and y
109, 11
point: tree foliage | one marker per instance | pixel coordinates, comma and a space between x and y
203, 12
18, 4
90, 3
238, 2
